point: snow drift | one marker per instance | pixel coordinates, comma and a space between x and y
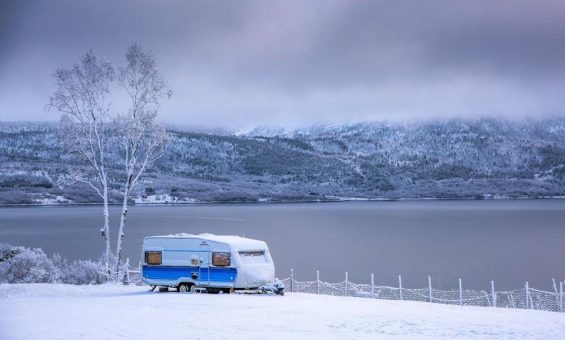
57, 311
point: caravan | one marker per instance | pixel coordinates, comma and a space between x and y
214, 263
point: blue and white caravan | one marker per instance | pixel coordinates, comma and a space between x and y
216, 263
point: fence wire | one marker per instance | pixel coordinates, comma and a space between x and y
524, 298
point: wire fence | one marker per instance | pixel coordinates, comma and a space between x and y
523, 298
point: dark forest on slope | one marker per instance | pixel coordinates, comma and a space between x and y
473, 159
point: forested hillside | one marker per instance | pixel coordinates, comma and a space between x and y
476, 159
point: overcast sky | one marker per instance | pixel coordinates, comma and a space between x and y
239, 64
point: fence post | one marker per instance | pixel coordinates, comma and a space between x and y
556, 294
372, 285
430, 287
460, 293
346, 290
400, 286
291, 280
527, 296
126, 279
318, 281
493, 293
561, 297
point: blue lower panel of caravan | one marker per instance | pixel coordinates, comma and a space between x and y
213, 276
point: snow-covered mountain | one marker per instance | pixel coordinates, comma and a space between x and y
453, 159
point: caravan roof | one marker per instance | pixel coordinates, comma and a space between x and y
237, 242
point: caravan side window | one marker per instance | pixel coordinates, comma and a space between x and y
221, 259
153, 257
253, 256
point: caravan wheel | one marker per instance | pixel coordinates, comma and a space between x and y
185, 288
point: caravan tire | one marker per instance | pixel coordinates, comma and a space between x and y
185, 288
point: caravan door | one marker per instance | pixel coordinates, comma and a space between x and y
204, 269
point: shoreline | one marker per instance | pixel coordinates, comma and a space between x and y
337, 200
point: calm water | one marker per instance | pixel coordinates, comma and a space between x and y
507, 241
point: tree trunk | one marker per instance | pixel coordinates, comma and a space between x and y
123, 222
107, 230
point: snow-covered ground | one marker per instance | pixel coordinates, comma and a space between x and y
56, 311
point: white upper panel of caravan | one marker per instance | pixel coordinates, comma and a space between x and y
235, 242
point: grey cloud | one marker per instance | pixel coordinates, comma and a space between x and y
238, 64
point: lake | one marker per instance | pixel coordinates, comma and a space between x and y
510, 242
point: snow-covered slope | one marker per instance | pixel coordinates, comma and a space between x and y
43, 311
471, 159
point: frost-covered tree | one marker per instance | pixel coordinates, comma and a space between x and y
81, 98
24, 265
140, 137
91, 131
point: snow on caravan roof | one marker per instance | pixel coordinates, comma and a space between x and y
238, 242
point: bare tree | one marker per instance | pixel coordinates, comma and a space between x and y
85, 124
141, 138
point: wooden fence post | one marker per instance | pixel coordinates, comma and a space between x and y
318, 281
372, 285
291, 280
460, 293
346, 288
556, 294
527, 296
400, 286
126, 279
561, 297
493, 292
430, 287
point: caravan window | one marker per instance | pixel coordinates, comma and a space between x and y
252, 256
153, 257
221, 259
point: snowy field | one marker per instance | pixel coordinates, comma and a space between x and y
56, 311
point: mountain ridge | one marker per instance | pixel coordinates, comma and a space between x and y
457, 159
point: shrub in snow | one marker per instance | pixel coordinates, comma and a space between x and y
24, 265
83, 272
80, 272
